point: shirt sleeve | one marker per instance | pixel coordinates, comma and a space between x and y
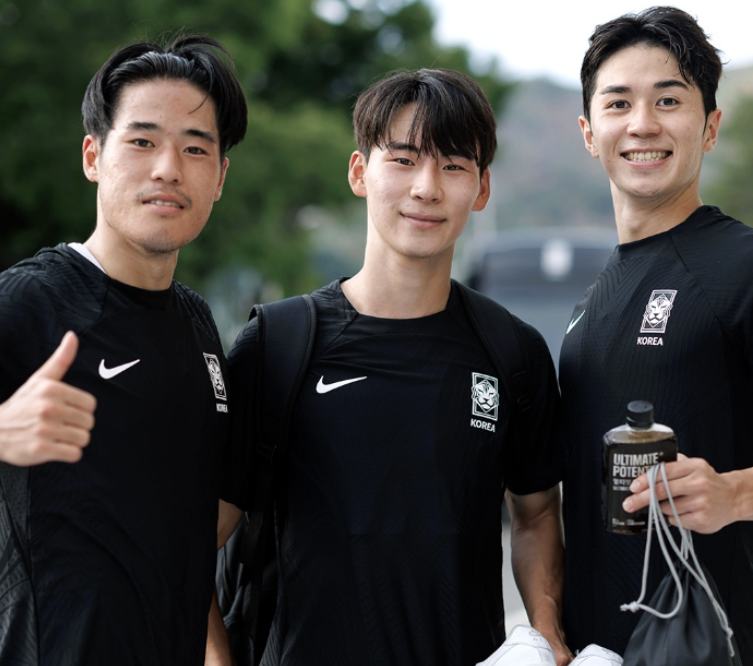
533, 453
238, 459
30, 331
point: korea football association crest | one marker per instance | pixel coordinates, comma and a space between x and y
485, 397
656, 317
215, 374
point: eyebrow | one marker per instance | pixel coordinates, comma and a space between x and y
659, 85
400, 145
396, 146
141, 126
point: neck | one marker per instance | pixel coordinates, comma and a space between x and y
399, 291
636, 221
132, 266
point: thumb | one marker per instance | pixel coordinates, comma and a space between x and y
62, 358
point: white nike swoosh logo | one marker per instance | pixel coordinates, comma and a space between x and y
321, 387
572, 324
109, 373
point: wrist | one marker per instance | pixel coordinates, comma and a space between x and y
546, 617
742, 481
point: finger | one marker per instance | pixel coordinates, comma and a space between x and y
81, 419
683, 506
62, 358
678, 469
78, 399
60, 452
639, 484
73, 436
642, 499
54, 393
637, 501
48, 452
689, 518
55, 432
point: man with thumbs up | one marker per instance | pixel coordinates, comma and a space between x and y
113, 408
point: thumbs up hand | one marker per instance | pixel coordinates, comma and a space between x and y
46, 419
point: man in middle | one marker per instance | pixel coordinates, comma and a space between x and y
404, 438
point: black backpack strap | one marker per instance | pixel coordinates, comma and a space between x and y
285, 343
509, 349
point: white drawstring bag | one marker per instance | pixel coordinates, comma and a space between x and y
685, 623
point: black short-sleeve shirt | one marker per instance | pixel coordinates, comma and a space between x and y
389, 507
111, 560
670, 321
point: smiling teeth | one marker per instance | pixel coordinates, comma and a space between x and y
159, 202
647, 157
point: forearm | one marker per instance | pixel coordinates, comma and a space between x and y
537, 563
537, 557
218, 651
229, 516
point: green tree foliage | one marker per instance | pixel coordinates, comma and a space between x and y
302, 67
731, 189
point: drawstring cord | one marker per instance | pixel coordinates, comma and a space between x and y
685, 554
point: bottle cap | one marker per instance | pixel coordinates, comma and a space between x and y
640, 414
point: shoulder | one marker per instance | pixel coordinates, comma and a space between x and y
716, 249
244, 346
493, 318
329, 297
35, 274
286, 319
711, 234
198, 310
40, 299
58, 277
40, 288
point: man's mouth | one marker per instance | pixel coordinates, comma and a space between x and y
419, 217
650, 156
162, 202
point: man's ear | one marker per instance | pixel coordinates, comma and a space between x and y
711, 133
356, 172
90, 154
223, 173
588, 136
484, 191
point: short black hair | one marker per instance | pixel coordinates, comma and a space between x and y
667, 27
453, 114
196, 59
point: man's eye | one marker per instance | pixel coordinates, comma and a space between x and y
142, 143
619, 104
195, 150
403, 160
668, 101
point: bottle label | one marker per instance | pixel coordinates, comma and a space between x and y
623, 463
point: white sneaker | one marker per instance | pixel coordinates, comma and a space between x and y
524, 647
595, 655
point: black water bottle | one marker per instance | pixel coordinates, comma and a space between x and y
630, 450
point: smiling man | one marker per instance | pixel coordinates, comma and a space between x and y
405, 436
108, 524
670, 321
